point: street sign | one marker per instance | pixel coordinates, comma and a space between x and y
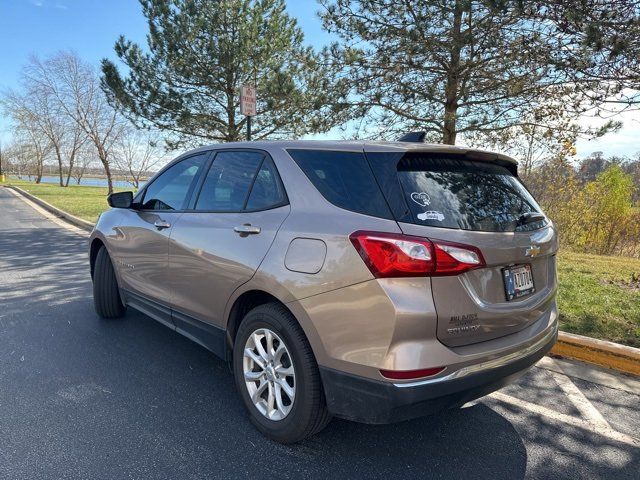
248, 100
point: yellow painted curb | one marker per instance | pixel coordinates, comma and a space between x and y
607, 354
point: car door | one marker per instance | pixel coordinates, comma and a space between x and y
141, 245
218, 244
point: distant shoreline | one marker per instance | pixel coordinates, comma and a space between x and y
86, 181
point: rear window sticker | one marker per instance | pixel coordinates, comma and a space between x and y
421, 198
431, 215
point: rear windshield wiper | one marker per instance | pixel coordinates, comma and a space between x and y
529, 217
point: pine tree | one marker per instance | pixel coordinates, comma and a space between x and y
470, 67
200, 52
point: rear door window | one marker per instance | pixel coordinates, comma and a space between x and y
228, 181
344, 179
267, 191
464, 194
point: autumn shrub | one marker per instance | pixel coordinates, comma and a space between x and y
594, 217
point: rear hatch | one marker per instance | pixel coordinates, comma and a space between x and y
476, 201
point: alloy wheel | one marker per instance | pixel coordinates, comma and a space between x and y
269, 374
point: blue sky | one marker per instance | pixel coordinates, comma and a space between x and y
91, 27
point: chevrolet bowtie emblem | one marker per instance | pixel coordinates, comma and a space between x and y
532, 251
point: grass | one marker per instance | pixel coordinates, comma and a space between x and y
597, 296
84, 202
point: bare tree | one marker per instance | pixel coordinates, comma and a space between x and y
84, 159
34, 107
28, 155
39, 104
30, 138
75, 87
39, 147
137, 154
73, 146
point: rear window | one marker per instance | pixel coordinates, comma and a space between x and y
344, 179
464, 194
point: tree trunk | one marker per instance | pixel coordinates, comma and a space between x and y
71, 163
68, 176
453, 79
39, 168
39, 164
107, 171
103, 156
59, 157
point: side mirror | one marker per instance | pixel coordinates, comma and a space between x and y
120, 200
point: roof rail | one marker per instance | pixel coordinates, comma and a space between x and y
415, 137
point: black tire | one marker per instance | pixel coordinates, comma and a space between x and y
106, 296
308, 414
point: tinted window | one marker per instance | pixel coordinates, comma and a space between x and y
267, 190
464, 194
170, 190
344, 179
227, 184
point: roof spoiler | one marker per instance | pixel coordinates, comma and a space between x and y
414, 137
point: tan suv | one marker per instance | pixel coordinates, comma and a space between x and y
370, 281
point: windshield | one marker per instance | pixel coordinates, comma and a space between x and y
464, 194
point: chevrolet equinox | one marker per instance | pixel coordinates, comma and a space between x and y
372, 281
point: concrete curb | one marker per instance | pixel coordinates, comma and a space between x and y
586, 349
607, 354
78, 222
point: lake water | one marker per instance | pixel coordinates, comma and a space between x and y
86, 181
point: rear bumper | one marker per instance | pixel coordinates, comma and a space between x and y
370, 401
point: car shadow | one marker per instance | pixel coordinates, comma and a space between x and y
168, 401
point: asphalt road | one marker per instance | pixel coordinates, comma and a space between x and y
86, 398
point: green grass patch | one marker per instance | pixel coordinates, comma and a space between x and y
84, 202
599, 296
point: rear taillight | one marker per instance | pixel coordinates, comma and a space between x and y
394, 255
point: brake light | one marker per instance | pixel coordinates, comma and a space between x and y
410, 374
395, 255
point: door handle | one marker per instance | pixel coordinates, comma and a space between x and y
246, 229
160, 224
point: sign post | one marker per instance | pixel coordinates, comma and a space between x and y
248, 105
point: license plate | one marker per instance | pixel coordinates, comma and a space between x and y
518, 281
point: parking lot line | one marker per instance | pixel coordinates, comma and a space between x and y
584, 406
607, 431
592, 420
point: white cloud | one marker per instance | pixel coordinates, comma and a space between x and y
625, 142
